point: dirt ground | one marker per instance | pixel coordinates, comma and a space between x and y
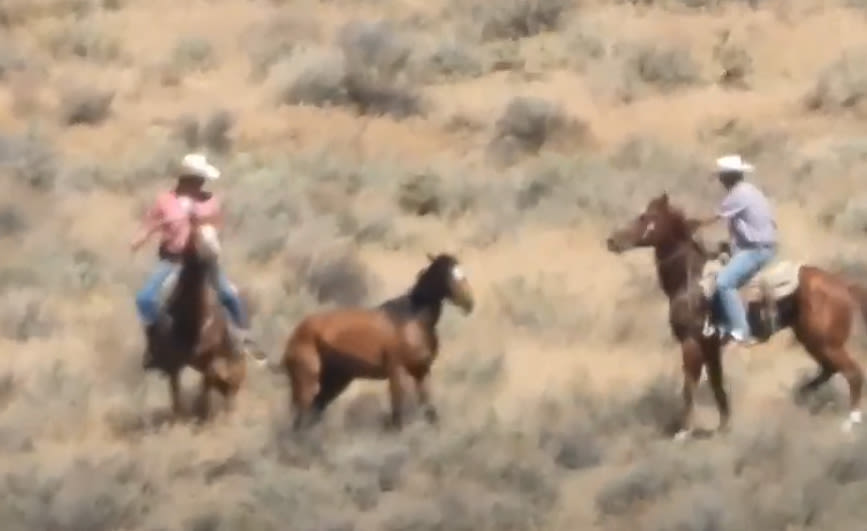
356, 136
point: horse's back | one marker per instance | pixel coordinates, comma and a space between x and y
813, 279
350, 332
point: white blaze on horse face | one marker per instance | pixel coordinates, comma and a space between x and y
458, 273
210, 241
648, 229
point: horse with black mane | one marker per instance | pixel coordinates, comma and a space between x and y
396, 340
193, 329
818, 306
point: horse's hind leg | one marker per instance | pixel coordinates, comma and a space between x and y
832, 360
825, 372
304, 381
854, 375
331, 385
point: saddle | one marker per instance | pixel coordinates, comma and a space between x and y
169, 285
777, 279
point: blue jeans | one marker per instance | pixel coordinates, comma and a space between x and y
743, 264
147, 299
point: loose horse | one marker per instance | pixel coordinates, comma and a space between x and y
396, 340
817, 305
194, 329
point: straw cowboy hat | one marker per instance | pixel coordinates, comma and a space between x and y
197, 165
733, 164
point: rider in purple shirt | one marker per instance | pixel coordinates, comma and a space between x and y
754, 241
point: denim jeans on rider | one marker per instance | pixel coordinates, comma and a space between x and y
741, 267
147, 299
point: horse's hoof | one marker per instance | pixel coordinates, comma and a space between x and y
682, 436
853, 420
431, 416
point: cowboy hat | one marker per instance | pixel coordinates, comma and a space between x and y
197, 165
733, 164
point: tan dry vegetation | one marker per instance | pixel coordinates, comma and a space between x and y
355, 136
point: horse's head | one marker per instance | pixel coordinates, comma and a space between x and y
444, 278
658, 224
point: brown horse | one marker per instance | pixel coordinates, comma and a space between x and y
396, 340
817, 305
194, 328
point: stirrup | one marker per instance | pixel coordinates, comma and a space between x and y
708, 330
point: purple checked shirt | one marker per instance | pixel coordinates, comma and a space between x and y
749, 216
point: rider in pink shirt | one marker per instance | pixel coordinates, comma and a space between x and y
170, 216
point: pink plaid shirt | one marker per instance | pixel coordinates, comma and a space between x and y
169, 215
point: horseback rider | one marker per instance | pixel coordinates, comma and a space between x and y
753, 233
171, 216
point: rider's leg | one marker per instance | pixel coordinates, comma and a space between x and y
741, 267
147, 302
230, 300
147, 298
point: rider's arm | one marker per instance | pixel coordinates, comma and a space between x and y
707, 221
210, 211
152, 223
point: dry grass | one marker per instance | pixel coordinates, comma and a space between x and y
355, 137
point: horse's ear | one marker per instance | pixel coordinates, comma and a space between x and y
664, 198
430, 257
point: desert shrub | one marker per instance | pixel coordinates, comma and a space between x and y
211, 132
735, 61
24, 315
369, 74
541, 306
191, 54
84, 106
450, 60
438, 193
666, 68
269, 41
515, 19
841, 85
527, 124
29, 159
13, 220
85, 42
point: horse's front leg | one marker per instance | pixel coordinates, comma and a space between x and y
397, 376
175, 394
203, 402
424, 398
713, 358
693, 361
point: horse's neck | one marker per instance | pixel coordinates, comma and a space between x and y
189, 300
411, 307
678, 265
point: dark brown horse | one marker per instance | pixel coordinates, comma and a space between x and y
817, 305
195, 331
396, 340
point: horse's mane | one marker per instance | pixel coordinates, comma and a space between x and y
420, 295
681, 225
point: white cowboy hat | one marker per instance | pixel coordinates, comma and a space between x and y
197, 165
733, 163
